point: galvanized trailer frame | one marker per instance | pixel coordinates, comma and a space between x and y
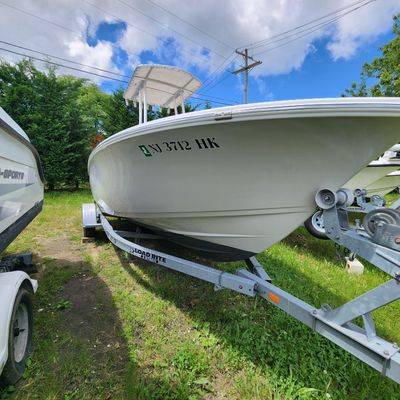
365, 206
382, 250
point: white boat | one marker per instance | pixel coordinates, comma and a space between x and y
393, 152
21, 180
384, 185
233, 181
375, 171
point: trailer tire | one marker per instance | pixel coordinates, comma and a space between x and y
19, 337
315, 226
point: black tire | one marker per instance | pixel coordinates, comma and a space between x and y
16, 362
317, 232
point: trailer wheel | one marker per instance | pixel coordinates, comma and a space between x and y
315, 225
19, 338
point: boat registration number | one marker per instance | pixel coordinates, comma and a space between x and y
207, 143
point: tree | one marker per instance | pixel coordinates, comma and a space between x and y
46, 106
18, 95
93, 102
166, 112
381, 77
119, 115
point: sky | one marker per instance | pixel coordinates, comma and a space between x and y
308, 48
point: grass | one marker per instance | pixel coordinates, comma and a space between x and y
108, 326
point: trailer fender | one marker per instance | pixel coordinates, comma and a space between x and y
10, 283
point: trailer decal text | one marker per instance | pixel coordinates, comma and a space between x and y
147, 255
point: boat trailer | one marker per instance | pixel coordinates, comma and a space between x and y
16, 315
377, 241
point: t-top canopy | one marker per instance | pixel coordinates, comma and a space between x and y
161, 85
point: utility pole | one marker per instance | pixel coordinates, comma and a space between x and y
246, 70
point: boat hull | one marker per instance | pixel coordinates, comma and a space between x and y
21, 186
235, 179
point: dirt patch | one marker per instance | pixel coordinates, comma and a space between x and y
296, 239
93, 250
92, 318
220, 386
60, 248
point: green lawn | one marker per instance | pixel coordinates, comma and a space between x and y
112, 327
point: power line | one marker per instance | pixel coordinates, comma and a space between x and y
192, 25
57, 24
193, 97
258, 43
307, 32
106, 83
171, 29
79, 34
246, 69
102, 76
63, 59
74, 62
211, 101
143, 30
219, 81
219, 98
316, 28
62, 65
214, 75
120, 19
82, 37
88, 66
38, 17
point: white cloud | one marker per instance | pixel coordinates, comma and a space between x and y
362, 26
65, 37
263, 89
99, 56
234, 23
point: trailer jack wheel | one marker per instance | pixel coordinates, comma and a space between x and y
315, 225
19, 338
